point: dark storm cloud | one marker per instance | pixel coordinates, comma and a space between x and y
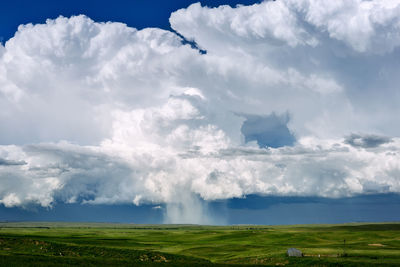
5, 162
366, 140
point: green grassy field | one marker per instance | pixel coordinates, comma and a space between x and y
80, 244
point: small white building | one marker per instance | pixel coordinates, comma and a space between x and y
294, 252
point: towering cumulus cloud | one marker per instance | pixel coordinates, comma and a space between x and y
291, 98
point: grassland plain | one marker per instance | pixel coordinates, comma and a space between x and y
97, 244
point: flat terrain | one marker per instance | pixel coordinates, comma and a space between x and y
81, 244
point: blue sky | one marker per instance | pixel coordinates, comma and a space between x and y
139, 13
283, 112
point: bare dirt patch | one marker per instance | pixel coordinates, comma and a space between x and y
376, 245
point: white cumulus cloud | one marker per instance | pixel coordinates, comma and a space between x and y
95, 112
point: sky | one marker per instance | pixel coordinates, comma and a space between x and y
138, 13
213, 112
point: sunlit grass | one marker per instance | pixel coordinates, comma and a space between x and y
188, 245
